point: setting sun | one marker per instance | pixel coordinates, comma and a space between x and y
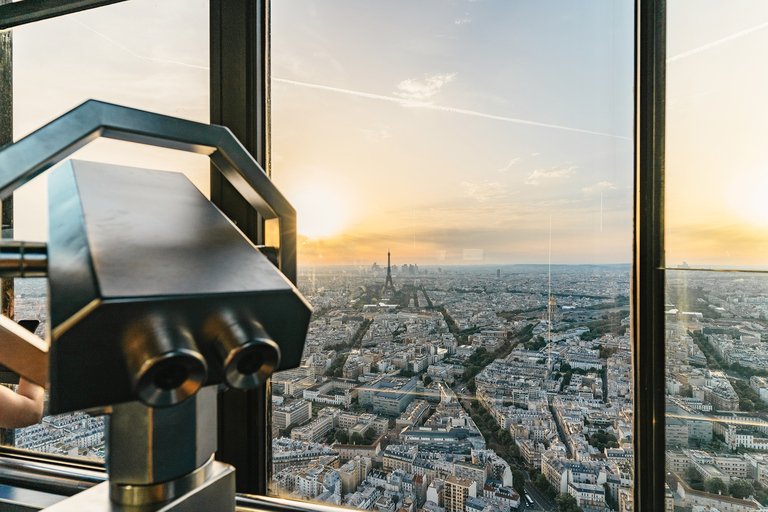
748, 197
321, 210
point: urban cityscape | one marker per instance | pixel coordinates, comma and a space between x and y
463, 388
497, 389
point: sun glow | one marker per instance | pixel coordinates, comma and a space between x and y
749, 197
321, 210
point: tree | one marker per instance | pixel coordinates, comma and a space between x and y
602, 440
566, 380
356, 438
370, 435
518, 481
609, 497
567, 503
716, 486
289, 428
427, 380
692, 475
395, 499
342, 436
741, 489
541, 483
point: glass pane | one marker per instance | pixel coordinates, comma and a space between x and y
143, 54
715, 111
439, 157
717, 397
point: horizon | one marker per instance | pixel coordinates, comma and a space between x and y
489, 265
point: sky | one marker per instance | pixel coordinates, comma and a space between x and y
716, 161
449, 132
454, 132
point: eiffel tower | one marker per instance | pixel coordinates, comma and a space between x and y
388, 284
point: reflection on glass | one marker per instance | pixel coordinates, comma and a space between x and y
716, 169
142, 54
717, 392
716, 215
437, 167
76, 434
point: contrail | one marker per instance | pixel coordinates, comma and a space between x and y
401, 101
128, 50
717, 43
420, 104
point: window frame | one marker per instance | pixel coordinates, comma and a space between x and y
647, 280
239, 85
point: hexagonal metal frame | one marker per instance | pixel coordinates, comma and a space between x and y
29, 157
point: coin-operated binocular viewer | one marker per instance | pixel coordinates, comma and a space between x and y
156, 300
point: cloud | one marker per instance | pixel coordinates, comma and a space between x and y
603, 185
377, 135
463, 21
509, 165
423, 88
484, 191
546, 174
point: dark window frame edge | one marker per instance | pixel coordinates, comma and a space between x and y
647, 280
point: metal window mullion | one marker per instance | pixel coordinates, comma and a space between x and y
239, 41
647, 274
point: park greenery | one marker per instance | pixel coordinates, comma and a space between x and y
536, 344
749, 400
518, 481
497, 438
542, 483
567, 503
482, 358
602, 440
609, 323
741, 488
716, 486
337, 366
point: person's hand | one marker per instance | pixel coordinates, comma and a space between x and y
23, 408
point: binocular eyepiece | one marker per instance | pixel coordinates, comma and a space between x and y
245, 353
166, 366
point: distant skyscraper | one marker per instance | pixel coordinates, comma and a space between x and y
498, 273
